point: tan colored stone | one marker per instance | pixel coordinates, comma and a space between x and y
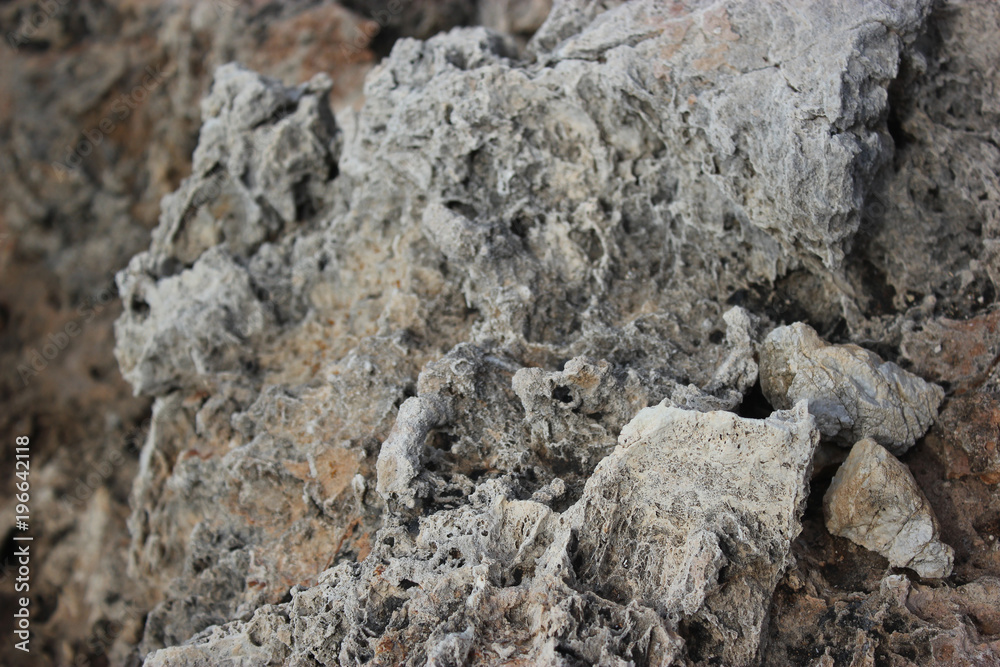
875, 502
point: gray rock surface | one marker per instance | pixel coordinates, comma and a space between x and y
669, 539
468, 289
851, 391
875, 502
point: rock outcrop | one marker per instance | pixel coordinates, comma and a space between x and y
671, 538
511, 252
478, 364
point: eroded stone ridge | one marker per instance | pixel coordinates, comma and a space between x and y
673, 550
467, 290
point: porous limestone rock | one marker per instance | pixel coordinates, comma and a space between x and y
672, 551
852, 392
875, 502
202, 321
693, 516
588, 214
471, 285
932, 222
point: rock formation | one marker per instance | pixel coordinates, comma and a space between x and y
851, 391
479, 364
669, 539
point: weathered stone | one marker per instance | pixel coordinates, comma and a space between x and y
898, 621
932, 221
491, 225
214, 334
693, 516
680, 534
875, 502
851, 391
961, 353
467, 288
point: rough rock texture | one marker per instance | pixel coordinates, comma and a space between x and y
851, 391
265, 154
669, 540
932, 220
875, 502
699, 510
960, 354
967, 437
512, 256
377, 327
889, 621
511, 204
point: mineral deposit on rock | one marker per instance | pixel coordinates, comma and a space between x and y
852, 392
875, 502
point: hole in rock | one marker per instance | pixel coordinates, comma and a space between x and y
521, 226
755, 405
462, 208
562, 394
589, 242
305, 207
139, 306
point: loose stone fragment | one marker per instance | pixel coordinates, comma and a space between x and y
875, 502
851, 391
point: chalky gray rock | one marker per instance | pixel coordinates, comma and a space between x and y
684, 529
